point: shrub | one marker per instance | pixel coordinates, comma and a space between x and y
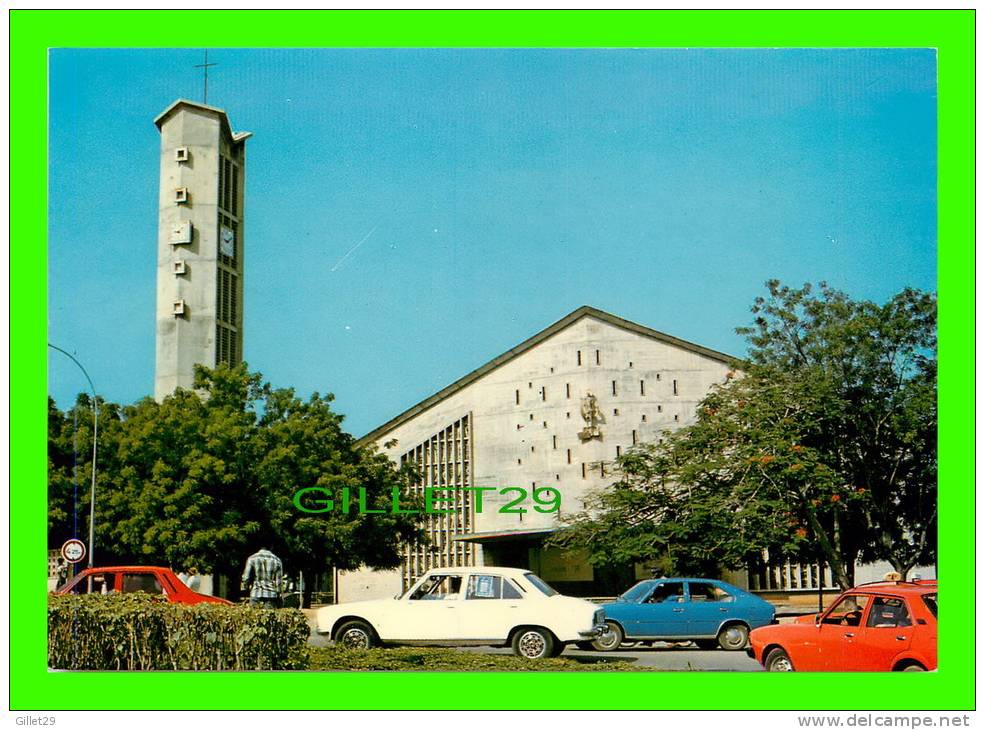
139, 631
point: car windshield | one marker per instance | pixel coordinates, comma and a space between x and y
931, 600
541, 585
637, 592
438, 588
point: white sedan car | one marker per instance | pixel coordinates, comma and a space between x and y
469, 607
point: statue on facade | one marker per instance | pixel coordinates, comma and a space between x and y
592, 414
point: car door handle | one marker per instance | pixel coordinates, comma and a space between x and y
849, 636
723, 610
678, 610
900, 638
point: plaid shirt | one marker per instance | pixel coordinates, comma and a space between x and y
263, 574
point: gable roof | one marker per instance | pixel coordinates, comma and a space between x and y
532, 342
236, 137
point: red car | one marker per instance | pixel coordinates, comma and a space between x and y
136, 579
875, 627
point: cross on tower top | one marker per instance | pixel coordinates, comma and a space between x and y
205, 70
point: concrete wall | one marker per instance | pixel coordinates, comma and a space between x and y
528, 443
877, 571
365, 584
188, 339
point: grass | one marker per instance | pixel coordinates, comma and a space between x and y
427, 659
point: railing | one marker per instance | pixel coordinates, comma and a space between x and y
323, 598
789, 576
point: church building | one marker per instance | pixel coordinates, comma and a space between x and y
555, 411
541, 425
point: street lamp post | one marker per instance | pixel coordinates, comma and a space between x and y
95, 434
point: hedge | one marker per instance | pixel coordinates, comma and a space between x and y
429, 659
144, 632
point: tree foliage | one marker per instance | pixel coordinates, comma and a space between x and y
823, 446
205, 477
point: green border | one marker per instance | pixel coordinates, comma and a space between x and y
33, 32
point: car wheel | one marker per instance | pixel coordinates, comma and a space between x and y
533, 643
913, 668
355, 635
733, 637
706, 643
611, 639
778, 661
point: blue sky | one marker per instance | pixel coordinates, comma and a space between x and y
493, 192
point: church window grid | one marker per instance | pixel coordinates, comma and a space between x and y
229, 174
234, 209
444, 462
227, 275
226, 316
226, 345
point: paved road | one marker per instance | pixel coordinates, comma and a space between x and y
662, 656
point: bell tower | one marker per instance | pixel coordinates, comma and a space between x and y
200, 243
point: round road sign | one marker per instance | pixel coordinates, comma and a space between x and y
74, 551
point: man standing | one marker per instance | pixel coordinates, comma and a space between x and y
194, 579
62, 573
263, 576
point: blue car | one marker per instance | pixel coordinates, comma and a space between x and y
708, 612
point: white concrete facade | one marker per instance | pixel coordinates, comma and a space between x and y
524, 412
199, 287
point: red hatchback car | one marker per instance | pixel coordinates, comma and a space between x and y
136, 579
875, 627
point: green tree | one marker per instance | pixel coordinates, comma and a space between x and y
823, 446
205, 477
301, 445
70, 465
180, 477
